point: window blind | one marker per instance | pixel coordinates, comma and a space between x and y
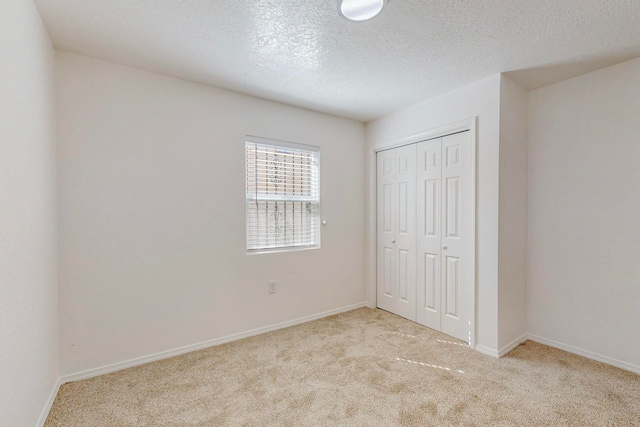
283, 195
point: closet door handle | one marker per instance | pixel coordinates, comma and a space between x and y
444, 247
393, 241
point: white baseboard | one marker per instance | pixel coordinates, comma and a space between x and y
488, 351
513, 344
561, 346
585, 353
202, 345
504, 350
47, 407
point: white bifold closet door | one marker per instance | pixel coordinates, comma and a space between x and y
396, 200
424, 233
444, 234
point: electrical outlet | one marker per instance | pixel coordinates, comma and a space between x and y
272, 286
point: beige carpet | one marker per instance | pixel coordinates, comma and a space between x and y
362, 368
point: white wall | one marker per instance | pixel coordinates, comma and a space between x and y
481, 99
152, 227
512, 252
584, 214
28, 288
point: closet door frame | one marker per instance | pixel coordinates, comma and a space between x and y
461, 126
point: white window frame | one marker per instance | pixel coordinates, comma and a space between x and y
261, 238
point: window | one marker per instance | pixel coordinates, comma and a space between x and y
283, 195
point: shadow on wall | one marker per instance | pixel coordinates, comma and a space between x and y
534, 78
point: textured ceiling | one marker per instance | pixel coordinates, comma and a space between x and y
303, 53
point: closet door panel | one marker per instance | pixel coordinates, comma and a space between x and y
429, 233
456, 239
386, 229
405, 241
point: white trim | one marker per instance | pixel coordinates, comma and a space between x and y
440, 131
585, 353
279, 249
513, 344
561, 346
47, 406
473, 131
199, 346
278, 143
504, 350
488, 351
371, 230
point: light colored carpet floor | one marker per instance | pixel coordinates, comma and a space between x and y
361, 368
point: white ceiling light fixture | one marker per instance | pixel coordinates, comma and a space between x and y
360, 10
